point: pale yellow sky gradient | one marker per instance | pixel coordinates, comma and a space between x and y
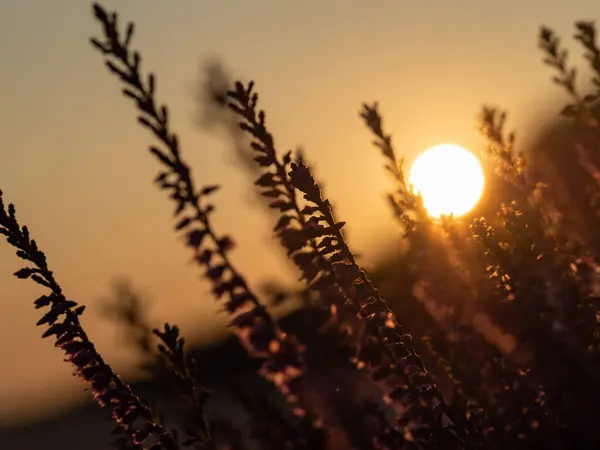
76, 164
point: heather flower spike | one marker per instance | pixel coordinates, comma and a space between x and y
415, 391
257, 330
301, 237
62, 321
183, 368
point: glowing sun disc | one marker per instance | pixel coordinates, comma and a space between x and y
449, 178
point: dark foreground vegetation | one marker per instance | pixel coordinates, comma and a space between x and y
486, 336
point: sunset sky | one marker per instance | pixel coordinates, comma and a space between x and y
76, 164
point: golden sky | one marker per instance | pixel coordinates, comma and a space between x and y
75, 163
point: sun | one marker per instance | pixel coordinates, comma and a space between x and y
449, 178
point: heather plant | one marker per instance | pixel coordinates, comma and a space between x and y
62, 319
503, 346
